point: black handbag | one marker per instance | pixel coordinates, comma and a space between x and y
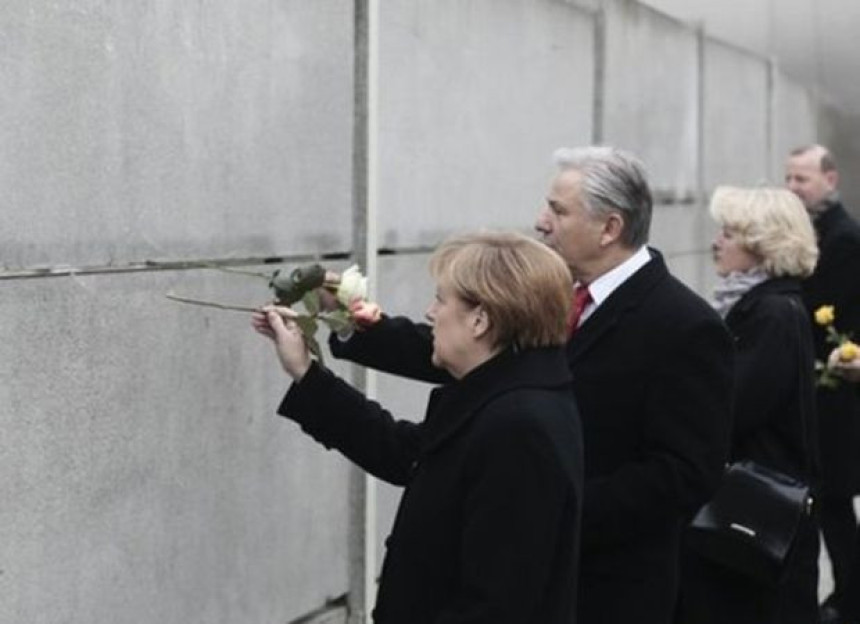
751, 523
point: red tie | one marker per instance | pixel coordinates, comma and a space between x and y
581, 299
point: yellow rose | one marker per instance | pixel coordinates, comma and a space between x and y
825, 315
848, 351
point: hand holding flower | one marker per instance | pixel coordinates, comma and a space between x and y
279, 324
365, 313
841, 359
844, 361
338, 301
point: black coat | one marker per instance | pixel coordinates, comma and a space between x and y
774, 425
652, 373
836, 281
775, 379
487, 531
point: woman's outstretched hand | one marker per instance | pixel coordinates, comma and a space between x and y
278, 324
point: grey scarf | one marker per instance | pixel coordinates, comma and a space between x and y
735, 285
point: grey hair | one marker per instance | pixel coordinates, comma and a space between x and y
612, 181
827, 161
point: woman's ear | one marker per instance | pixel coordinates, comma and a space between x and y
480, 322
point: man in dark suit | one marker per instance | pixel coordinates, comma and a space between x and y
812, 175
652, 365
652, 368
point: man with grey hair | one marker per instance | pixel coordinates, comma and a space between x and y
812, 175
652, 365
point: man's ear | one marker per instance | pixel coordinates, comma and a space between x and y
613, 227
832, 178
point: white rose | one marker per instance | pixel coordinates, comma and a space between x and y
352, 287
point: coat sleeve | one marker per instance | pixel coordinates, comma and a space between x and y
519, 502
394, 345
685, 422
836, 284
845, 255
338, 416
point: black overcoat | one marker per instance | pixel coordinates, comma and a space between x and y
836, 282
652, 374
775, 380
774, 425
487, 531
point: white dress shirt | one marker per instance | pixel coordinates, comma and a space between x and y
606, 284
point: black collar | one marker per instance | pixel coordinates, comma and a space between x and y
452, 406
835, 212
787, 286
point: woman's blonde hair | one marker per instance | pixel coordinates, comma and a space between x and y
524, 287
772, 224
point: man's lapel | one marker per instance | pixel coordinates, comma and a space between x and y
621, 302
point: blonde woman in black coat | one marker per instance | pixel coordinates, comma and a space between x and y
487, 531
764, 247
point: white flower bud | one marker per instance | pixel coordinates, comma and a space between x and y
352, 287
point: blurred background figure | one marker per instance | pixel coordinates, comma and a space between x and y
849, 606
811, 173
765, 247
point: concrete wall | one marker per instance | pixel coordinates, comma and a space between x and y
815, 43
473, 99
146, 477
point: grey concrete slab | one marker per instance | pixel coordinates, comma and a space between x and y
694, 270
146, 475
651, 94
405, 289
736, 103
681, 233
474, 97
160, 129
796, 121
675, 228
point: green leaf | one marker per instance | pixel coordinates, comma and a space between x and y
336, 320
290, 288
307, 324
311, 300
314, 348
